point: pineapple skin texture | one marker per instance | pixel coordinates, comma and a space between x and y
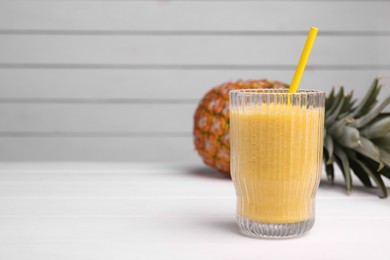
211, 122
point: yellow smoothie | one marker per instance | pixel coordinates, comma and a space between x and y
276, 161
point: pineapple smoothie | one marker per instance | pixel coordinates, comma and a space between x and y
276, 161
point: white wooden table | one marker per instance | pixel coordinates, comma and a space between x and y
139, 211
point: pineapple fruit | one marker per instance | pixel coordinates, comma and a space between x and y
211, 122
357, 136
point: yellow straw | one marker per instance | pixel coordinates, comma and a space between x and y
303, 60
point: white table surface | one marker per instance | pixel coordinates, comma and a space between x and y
141, 211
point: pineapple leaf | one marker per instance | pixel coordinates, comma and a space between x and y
343, 163
328, 168
338, 98
362, 121
330, 172
347, 106
382, 115
385, 172
357, 169
361, 174
334, 114
367, 99
337, 128
377, 129
383, 142
371, 103
385, 157
370, 150
329, 100
329, 148
350, 137
376, 177
357, 137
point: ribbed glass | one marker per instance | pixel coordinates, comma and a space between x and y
276, 153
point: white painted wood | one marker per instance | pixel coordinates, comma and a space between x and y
178, 238
162, 84
97, 118
112, 219
226, 0
195, 15
100, 131
138, 207
128, 149
351, 49
203, 50
103, 119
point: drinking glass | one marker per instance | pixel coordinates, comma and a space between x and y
276, 153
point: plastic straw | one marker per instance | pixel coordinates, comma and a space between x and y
303, 60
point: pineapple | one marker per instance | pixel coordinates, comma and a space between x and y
357, 138
211, 122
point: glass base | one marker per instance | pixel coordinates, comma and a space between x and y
268, 230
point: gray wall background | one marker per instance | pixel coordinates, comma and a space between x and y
120, 80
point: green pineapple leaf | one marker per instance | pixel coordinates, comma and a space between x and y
361, 174
357, 137
384, 142
367, 100
347, 106
377, 129
376, 177
329, 100
371, 115
350, 137
385, 156
370, 150
328, 144
338, 98
343, 163
337, 128
357, 169
385, 172
329, 169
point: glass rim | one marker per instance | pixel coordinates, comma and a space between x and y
276, 91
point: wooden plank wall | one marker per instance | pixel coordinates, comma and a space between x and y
120, 80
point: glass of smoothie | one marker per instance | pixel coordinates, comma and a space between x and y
276, 154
